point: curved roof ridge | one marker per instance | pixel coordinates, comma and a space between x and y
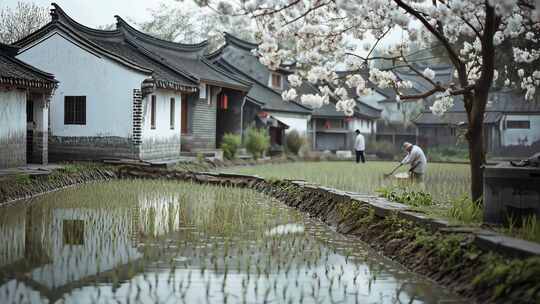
231, 39
51, 26
58, 14
215, 54
122, 24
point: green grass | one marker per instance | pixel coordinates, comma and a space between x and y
436, 197
444, 182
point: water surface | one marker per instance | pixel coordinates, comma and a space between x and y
167, 242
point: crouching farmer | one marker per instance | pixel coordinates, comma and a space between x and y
417, 160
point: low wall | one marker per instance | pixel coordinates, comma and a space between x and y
476, 263
63, 148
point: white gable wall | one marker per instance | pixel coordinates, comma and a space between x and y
364, 125
107, 85
514, 137
298, 122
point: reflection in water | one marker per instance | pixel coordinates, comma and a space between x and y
148, 242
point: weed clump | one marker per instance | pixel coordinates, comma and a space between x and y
407, 197
257, 142
230, 145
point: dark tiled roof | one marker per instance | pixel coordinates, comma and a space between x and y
443, 75
16, 72
268, 98
501, 102
160, 72
179, 66
187, 59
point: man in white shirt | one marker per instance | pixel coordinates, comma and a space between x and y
416, 159
359, 146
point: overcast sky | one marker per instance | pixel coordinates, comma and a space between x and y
94, 13
100, 12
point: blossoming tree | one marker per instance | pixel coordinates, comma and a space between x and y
317, 35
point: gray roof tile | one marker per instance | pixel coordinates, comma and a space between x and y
16, 72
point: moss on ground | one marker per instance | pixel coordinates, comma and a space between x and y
452, 259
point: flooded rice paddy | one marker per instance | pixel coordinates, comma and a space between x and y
168, 242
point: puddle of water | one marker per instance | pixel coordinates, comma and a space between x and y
164, 242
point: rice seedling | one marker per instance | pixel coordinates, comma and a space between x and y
443, 181
158, 241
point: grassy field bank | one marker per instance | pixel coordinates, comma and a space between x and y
443, 181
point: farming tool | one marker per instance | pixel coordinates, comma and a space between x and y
386, 175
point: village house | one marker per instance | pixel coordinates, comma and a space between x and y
397, 121
125, 94
264, 106
326, 128
511, 125
24, 110
332, 130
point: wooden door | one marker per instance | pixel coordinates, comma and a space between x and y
184, 115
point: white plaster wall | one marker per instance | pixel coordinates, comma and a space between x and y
511, 137
296, 122
12, 113
163, 109
107, 85
364, 125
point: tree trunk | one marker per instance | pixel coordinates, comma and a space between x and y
476, 105
477, 159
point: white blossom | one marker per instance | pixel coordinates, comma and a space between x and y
312, 100
289, 95
429, 73
443, 102
294, 80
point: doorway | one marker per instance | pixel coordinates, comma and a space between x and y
29, 129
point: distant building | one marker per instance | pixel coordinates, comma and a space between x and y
24, 110
332, 130
263, 106
124, 94
511, 125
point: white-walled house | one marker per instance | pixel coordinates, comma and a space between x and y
24, 104
124, 94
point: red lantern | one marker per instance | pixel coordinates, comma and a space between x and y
327, 124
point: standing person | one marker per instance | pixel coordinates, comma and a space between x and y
359, 146
417, 160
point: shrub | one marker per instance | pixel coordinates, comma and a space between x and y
257, 141
294, 142
230, 144
383, 149
448, 153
